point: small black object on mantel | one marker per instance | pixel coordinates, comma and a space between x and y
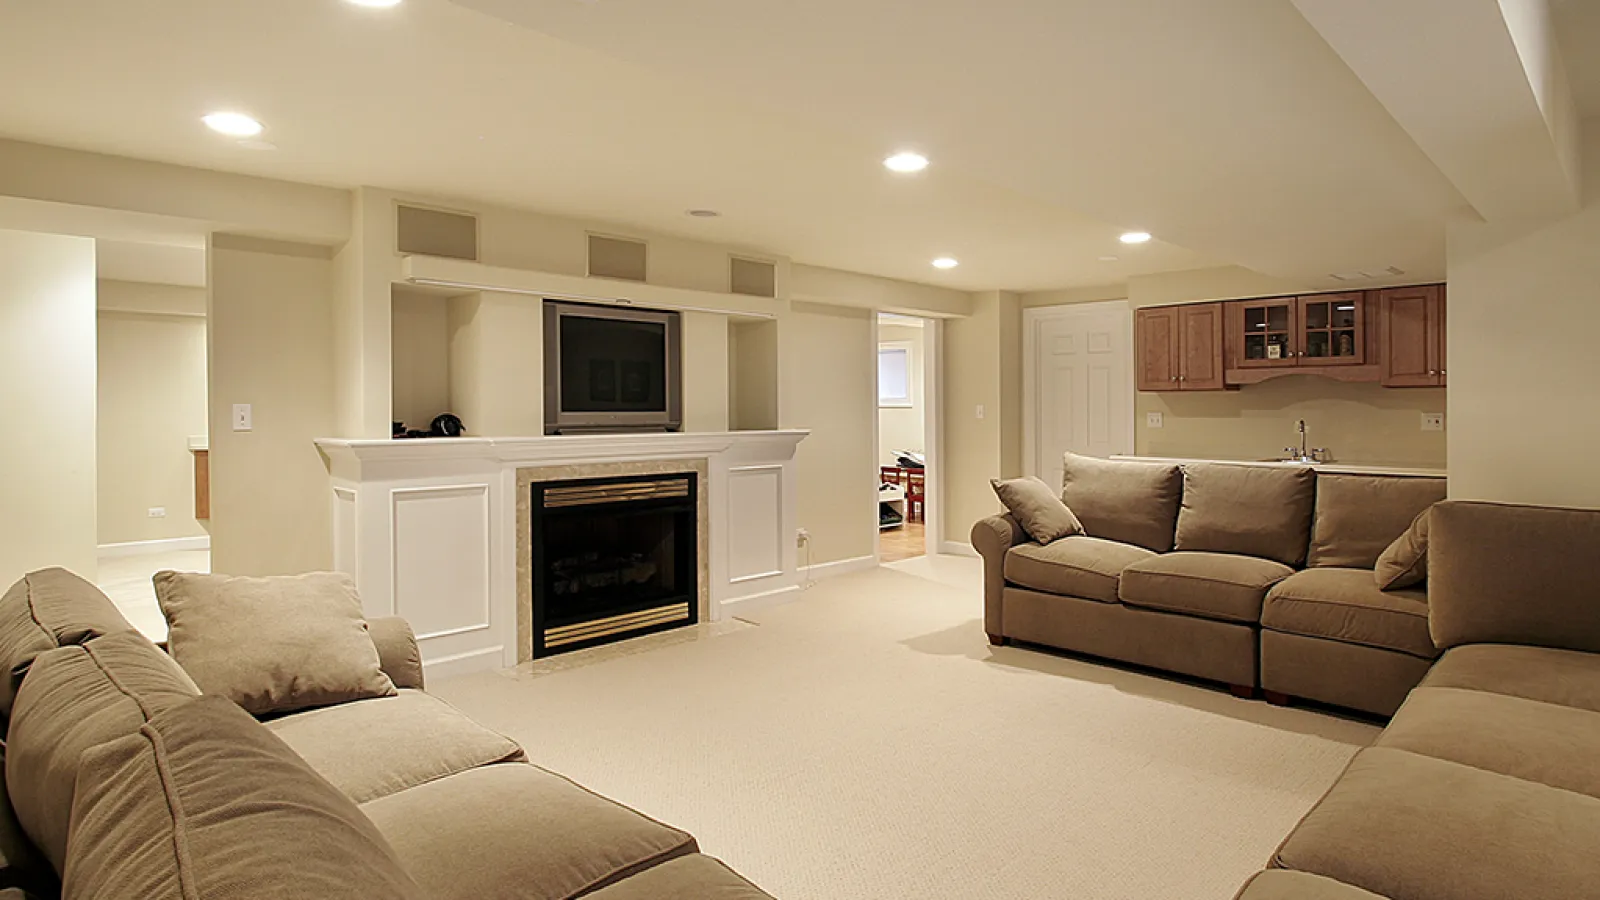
443, 425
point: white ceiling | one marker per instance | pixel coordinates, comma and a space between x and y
1227, 128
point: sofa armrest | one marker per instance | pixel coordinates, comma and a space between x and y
397, 651
993, 537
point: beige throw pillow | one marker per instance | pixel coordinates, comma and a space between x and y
1405, 563
1036, 508
203, 802
274, 644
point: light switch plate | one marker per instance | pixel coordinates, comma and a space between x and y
158, 512
979, 412
241, 417
1152, 420
1433, 421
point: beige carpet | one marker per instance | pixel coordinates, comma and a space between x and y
866, 742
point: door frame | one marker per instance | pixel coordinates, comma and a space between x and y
932, 431
1033, 318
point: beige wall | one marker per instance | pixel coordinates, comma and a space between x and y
420, 329
705, 372
497, 363
752, 375
152, 400
270, 344
981, 367
900, 427
1523, 358
826, 365
47, 313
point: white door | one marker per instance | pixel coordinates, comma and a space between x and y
1077, 384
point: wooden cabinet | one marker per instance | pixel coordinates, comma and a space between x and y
1412, 345
1332, 330
202, 484
1179, 348
1294, 332
1262, 333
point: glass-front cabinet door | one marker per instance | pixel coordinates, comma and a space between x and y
1266, 332
1331, 330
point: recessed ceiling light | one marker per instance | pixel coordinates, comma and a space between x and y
703, 213
376, 2
232, 124
906, 162
945, 262
1135, 237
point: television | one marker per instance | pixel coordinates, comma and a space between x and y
611, 369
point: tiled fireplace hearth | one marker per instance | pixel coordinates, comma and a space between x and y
441, 531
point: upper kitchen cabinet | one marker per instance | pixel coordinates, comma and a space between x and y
1412, 348
1315, 334
1332, 330
1179, 348
1263, 334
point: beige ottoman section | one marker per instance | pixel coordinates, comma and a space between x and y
1075, 566
384, 745
1411, 827
1282, 884
1564, 677
1212, 585
692, 877
1347, 675
516, 832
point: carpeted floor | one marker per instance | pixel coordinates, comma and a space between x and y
866, 742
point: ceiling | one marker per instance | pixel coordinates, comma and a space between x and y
1229, 129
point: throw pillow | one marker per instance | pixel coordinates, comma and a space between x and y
1405, 563
1036, 508
275, 644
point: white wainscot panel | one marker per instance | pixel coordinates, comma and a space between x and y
344, 532
755, 522
441, 558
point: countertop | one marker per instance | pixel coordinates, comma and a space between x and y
1331, 467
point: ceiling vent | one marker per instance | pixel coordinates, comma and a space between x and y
611, 257
435, 232
754, 277
1365, 275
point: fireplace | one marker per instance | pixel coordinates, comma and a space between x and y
612, 558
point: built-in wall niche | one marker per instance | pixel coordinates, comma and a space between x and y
436, 232
419, 326
613, 257
752, 374
752, 277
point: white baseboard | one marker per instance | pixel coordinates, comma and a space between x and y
838, 567
167, 545
736, 606
956, 548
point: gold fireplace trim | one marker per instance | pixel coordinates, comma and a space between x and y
589, 495
583, 631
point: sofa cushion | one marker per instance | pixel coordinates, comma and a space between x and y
1357, 516
21, 864
1346, 605
373, 748
44, 610
1412, 827
1260, 511
1543, 742
1213, 585
516, 832
1077, 566
202, 803
1564, 677
1283, 884
1404, 563
1036, 508
75, 698
1128, 502
1501, 574
274, 644
692, 877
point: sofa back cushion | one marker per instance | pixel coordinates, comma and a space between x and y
47, 609
1131, 502
1504, 574
1359, 516
1262, 511
204, 802
75, 698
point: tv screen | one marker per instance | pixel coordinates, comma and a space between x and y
612, 365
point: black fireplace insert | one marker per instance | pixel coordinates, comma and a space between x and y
613, 558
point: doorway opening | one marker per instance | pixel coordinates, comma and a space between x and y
907, 348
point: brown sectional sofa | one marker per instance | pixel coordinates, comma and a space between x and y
460, 806
1259, 577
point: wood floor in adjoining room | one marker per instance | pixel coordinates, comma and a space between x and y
903, 542
865, 742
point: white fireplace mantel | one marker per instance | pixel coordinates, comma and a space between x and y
427, 527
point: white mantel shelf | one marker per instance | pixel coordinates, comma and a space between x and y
1331, 468
428, 526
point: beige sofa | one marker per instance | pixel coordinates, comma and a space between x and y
1485, 783
463, 810
1257, 577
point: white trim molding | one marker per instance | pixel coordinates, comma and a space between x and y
839, 567
165, 545
957, 548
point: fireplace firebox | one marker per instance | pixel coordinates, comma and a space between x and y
613, 558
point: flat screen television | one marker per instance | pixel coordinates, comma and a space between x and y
611, 368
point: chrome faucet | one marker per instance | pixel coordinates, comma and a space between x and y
1303, 454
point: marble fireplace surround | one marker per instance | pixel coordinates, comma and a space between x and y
526, 478
436, 529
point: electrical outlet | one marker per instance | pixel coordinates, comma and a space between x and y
1433, 421
241, 417
1152, 420
978, 413
801, 537
158, 512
